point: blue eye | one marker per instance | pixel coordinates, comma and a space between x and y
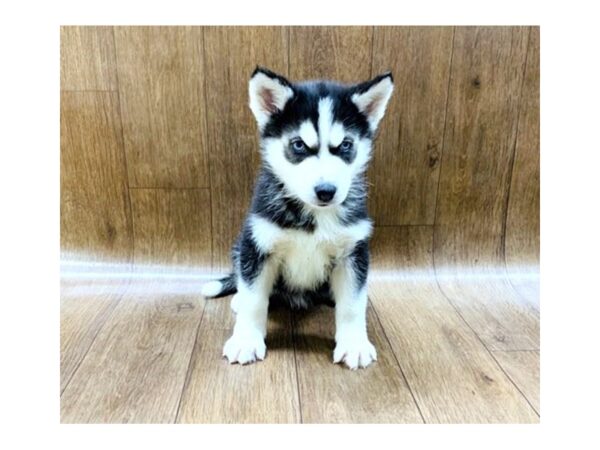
298, 145
346, 145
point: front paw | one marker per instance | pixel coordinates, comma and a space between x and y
245, 348
354, 352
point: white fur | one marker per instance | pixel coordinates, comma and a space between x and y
308, 134
247, 343
211, 288
304, 258
245, 346
374, 101
352, 342
235, 303
353, 348
337, 133
259, 86
302, 178
325, 120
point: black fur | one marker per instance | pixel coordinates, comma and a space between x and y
285, 295
304, 105
363, 87
360, 260
354, 207
249, 258
271, 201
295, 157
271, 74
346, 155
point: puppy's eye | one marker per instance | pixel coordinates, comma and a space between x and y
346, 145
298, 146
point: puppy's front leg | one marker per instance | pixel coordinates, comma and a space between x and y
247, 344
349, 287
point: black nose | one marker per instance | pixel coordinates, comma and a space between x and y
325, 191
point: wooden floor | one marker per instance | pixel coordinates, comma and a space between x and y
140, 345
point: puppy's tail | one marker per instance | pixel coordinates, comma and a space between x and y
220, 288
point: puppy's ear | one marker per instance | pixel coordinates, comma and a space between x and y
371, 97
269, 93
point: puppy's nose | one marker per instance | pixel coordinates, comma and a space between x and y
325, 191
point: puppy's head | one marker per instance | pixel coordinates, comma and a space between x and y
317, 135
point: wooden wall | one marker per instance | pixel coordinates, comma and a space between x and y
159, 148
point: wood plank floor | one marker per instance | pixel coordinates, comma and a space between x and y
147, 348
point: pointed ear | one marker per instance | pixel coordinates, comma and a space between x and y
269, 93
371, 97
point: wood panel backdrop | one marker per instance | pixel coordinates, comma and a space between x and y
158, 156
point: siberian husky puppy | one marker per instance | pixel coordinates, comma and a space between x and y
305, 239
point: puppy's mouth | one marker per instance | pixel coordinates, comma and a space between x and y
320, 204
324, 205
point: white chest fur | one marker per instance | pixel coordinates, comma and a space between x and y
303, 258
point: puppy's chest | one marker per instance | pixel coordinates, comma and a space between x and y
306, 260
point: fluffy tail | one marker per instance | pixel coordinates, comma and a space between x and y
221, 288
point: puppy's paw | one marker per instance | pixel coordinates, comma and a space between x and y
245, 348
354, 352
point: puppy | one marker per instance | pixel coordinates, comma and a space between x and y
305, 239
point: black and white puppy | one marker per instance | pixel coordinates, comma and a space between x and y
305, 240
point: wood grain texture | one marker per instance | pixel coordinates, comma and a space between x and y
522, 240
135, 370
406, 164
172, 227
488, 302
161, 84
452, 375
232, 132
84, 307
264, 392
338, 53
378, 394
523, 215
523, 368
95, 220
485, 89
87, 58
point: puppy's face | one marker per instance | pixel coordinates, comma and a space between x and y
316, 136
